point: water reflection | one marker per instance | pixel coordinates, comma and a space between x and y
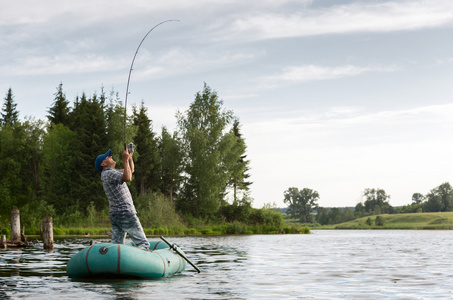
120, 289
323, 265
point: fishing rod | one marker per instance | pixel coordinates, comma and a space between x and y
129, 79
175, 248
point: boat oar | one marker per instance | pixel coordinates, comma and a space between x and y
172, 246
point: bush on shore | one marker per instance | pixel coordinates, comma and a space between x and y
158, 217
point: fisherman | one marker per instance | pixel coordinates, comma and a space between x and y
123, 216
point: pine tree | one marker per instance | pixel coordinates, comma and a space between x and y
10, 115
171, 162
88, 122
114, 116
59, 112
239, 172
58, 167
147, 161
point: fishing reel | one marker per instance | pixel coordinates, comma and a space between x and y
131, 147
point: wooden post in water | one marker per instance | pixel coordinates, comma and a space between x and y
47, 233
23, 238
3, 242
15, 226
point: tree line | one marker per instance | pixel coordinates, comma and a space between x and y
303, 205
201, 167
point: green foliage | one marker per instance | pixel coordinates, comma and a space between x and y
5, 225
10, 115
171, 156
376, 202
439, 199
296, 230
52, 173
20, 159
88, 122
267, 217
191, 231
238, 211
156, 210
208, 155
412, 208
301, 203
147, 165
438, 220
379, 221
58, 167
32, 213
334, 215
59, 111
369, 222
91, 214
30, 153
115, 118
417, 198
10, 166
239, 164
234, 228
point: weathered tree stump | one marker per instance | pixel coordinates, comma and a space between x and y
23, 238
17, 239
15, 226
47, 233
3, 242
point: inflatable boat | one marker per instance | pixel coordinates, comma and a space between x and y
126, 260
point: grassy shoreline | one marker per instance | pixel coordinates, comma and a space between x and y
227, 229
410, 221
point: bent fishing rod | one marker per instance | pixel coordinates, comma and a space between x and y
129, 79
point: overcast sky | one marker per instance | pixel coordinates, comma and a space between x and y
335, 96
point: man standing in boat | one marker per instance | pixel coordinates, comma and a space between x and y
123, 215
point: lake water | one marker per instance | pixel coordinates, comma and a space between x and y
332, 264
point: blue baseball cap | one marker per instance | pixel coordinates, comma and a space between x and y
100, 159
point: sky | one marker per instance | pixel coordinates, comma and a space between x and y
334, 96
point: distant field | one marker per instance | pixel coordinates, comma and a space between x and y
439, 220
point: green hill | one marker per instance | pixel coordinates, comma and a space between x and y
438, 220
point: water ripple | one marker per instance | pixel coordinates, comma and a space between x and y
323, 265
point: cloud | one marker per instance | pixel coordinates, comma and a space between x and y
342, 111
434, 114
179, 61
444, 61
147, 65
347, 18
64, 64
339, 155
292, 74
337, 123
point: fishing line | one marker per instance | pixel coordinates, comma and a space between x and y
129, 78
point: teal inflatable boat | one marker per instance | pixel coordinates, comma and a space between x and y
113, 260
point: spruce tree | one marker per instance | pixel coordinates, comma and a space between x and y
171, 156
88, 123
59, 111
240, 168
114, 117
58, 167
10, 115
147, 159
